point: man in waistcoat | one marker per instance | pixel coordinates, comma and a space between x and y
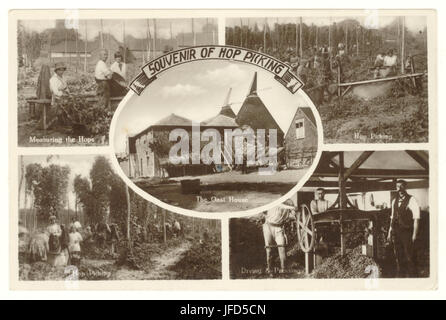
403, 230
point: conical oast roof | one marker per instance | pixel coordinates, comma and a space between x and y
226, 116
226, 110
255, 114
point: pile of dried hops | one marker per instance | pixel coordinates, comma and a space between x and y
349, 266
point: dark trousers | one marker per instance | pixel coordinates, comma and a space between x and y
103, 92
404, 253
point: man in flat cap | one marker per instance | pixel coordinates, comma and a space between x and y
403, 231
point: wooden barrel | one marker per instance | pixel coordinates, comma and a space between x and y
190, 186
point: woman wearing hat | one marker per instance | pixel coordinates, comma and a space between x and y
58, 85
56, 256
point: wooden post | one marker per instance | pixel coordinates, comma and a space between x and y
109, 43
22, 175
154, 38
339, 77
247, 35
149, 36
342, 199
68, 211
309, 262
164, 227
44, 117
403, 44
264, 34
102, 35
85, 48
26, 210
297, 40
241, 32
33, 212
398, 37
75, 207
329, 44
193, 33
346, 38
357, 41
49, 49
77, 50
127, 195
123, 42
65, 47
372, 239
301, 50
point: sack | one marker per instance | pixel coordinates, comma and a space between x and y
54, 243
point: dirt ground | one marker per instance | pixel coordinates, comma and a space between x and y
389, 112
379, 120
180, 259
285, 176
159, 266
228, 191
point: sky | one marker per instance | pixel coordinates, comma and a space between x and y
413, 23
197, 91
134, 27
79, 164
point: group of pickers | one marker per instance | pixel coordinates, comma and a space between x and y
319, 66
59, 245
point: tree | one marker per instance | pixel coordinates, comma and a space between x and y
101, 175
118, 201
82, 189
49, 186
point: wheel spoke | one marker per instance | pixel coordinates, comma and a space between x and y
301, 240
305, 229
307, 221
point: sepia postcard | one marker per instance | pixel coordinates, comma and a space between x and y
223, 149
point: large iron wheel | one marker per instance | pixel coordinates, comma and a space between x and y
305, 229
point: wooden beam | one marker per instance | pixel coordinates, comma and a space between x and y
362, 158
420, 157
375, 173
346, 84
367, 186
342, 199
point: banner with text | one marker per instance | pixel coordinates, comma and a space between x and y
281, 71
